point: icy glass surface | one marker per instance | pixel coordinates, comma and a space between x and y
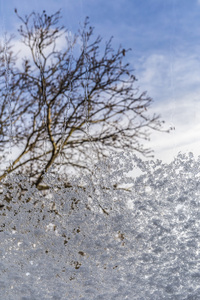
107, 237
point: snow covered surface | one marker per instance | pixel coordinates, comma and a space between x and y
139, 240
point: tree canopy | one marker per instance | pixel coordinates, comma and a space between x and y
59, 105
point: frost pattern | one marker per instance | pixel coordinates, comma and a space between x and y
109, 236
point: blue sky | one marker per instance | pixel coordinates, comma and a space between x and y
165, 41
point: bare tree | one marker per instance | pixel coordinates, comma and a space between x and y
58, 96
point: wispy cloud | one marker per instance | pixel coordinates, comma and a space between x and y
175, 86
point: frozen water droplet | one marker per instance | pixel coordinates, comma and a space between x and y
148, 189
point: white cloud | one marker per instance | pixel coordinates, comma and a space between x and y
23, 51
175, 86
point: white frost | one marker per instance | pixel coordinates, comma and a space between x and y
104, 241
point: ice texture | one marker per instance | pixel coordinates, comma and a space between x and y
113, 237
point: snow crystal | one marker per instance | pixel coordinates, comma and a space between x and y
99, 240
